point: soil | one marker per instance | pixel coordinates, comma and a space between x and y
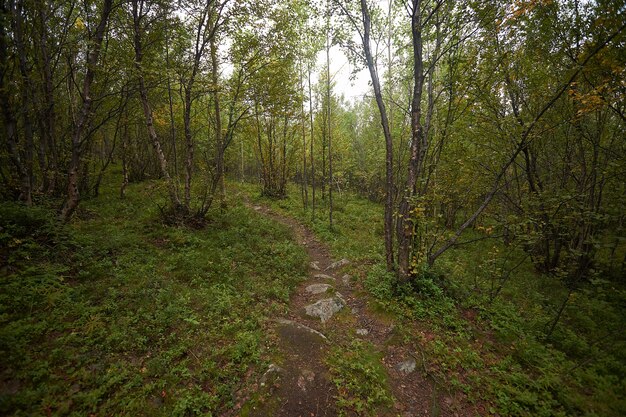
302, 387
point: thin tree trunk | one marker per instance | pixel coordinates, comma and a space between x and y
147, 110
405, 225
305, 185
10, 121
328, 117
189, 145
260, 146
108, 159
171, 109
388, 224
220, 148
324, 144
124, 157
26, 100
203, 35
311, 151
283, 179
48, 121
72, 197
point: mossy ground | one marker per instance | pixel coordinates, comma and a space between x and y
119, 314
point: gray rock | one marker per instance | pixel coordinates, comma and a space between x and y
407, 366
318, 288
323, 276
299, 326
338, 264
324, 309
315, 265
272, 373
362, 332
346, 279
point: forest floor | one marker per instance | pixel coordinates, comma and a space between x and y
475, 353
351, 363
121, 313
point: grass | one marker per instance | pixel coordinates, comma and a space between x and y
119, 314
349, 237
489, 349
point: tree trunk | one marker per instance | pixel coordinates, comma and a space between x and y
189, 145
124, 157
283, 166
10, 121
108, 157
311, 150
21, 161
387, 134
328, 117
72, 197
203, 35
405, 226
260, 146
219, 140
305, 185
171, 109
147, 110
48, 116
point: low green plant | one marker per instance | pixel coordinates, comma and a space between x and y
360, 379
486, 313
117, 313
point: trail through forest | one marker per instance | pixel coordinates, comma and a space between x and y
301, 384
164, 165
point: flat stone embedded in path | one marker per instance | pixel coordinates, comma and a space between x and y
306, 379
302, 327
324, 309
362, 332
323, 276
315, 265
338, 264
318, 288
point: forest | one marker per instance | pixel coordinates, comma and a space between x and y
183, 182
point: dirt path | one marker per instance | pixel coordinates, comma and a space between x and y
300, 385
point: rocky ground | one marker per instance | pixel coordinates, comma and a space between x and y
326, 310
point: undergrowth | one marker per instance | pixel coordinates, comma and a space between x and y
119, 314
483, 324
360, 379
349, 237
